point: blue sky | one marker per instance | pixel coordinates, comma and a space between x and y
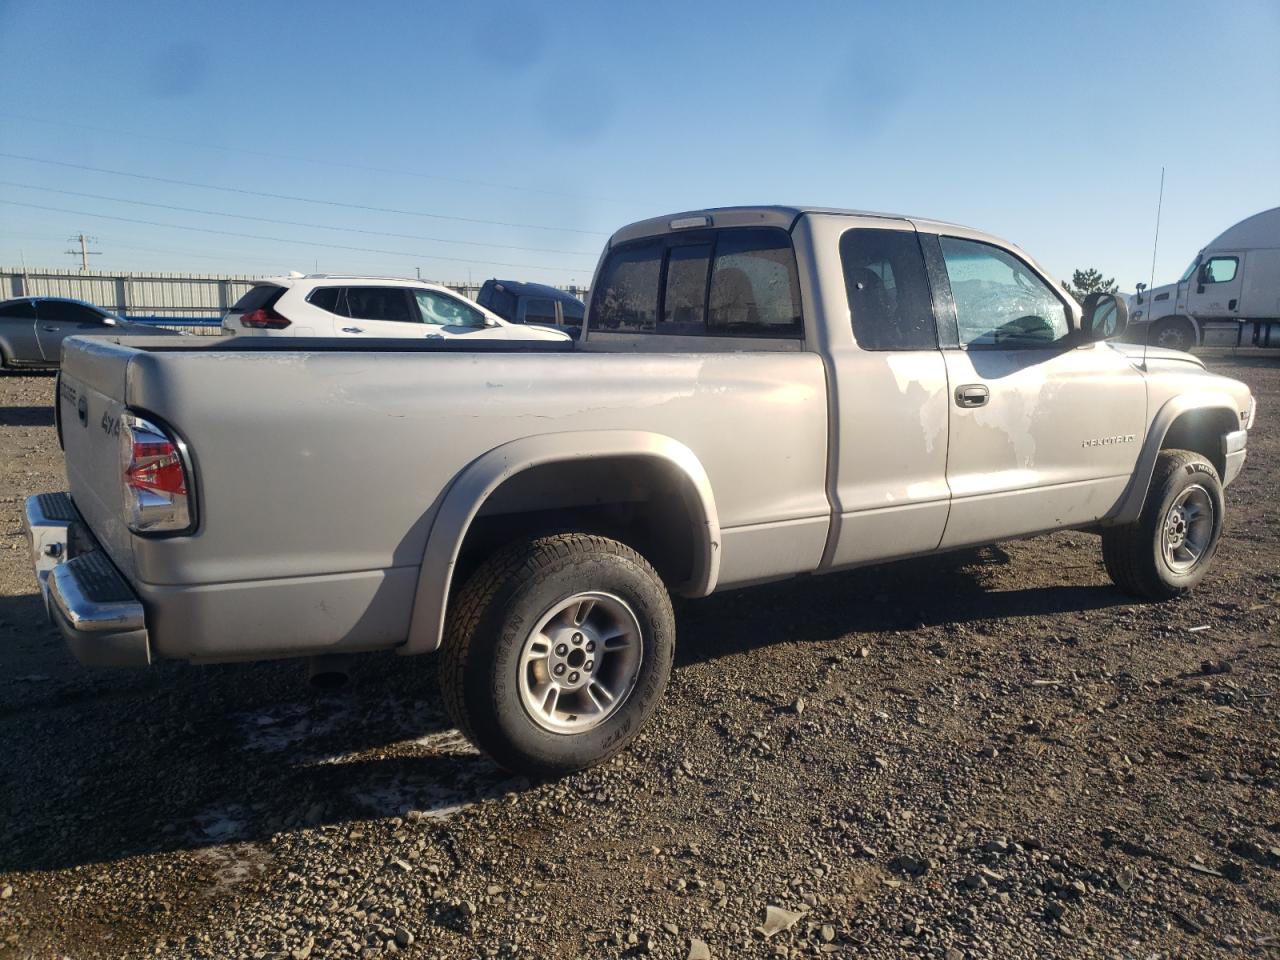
555, 123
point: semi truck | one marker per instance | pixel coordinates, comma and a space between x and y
1228, 296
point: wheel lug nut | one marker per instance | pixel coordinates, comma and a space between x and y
577, 639
589, 665
591, 646
561, 649
559, 669
573, 677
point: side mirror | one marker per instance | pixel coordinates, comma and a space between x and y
1105, 316
1141, 287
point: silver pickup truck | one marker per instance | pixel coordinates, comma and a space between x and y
760, 393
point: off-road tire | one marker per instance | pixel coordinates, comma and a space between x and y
491, 618
1134, 554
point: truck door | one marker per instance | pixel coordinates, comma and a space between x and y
888, 389
18, 331
58, 319
1044, 431
1214, 291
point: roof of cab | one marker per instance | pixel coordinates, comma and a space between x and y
761, 216
525, 288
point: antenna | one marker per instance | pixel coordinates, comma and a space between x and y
1155, 245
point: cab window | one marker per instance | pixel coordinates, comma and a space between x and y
1000, 301
888, 290
1220, 270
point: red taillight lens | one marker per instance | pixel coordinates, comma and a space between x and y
264, 318
156, 466
156, 484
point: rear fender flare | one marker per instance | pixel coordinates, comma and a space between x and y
479, 479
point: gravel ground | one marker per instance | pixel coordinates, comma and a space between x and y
988, 754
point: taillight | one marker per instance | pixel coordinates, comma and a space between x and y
264, 318
157, 488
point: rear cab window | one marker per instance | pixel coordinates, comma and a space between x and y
731, 283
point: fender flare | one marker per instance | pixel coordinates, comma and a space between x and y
1135, 495
480, 478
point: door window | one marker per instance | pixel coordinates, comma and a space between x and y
889, 297
1000, 301
1220, 270
379, 303
63, 311
19, 309
442, 310
540, 310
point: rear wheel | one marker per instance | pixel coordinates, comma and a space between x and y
558, 650
1169, 548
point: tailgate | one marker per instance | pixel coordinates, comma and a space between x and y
91, 399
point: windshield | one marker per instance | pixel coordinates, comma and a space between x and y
1190, 270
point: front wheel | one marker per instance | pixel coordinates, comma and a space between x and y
1169, 548
558, 650
1174, 334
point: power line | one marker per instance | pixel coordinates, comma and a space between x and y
308, 243
291, 223
285, 196
123, 134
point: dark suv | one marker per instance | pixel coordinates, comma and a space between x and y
519, 302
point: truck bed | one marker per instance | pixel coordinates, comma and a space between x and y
319, 467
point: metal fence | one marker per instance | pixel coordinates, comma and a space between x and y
163, 298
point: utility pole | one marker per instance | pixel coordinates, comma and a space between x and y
84, 252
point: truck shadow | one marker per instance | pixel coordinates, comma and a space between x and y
906, 595
101, 766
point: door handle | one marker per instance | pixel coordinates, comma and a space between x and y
1231, 304
50, 329
353, 330
972, 395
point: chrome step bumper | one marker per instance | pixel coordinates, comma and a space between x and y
92, 605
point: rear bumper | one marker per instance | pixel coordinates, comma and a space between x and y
1234, 450
92, 605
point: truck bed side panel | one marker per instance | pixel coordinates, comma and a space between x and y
327, 463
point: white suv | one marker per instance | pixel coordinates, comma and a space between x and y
328, 306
